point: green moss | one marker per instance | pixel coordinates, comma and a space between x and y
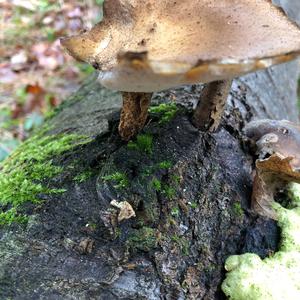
165, 165
156, 184
11, 216
83, 176
175, 179
175, 212
23, 173
92, 225
193, 205
120, 179
49, 114
182, 242
143, 143
143, 239
166, 111
168, 191
117, 233
238, 210
276, 277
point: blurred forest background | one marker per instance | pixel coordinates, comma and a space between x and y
35, 73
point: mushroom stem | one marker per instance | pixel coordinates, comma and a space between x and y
210, 108
134, 113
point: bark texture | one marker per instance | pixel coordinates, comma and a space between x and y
176, 246
184, 229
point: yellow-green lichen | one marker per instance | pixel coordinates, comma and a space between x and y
23, 173
276, 277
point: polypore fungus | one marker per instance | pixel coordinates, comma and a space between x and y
145, 46
278, 163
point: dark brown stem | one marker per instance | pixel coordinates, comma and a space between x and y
134, 113
211, 105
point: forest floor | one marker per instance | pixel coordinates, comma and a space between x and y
35, 73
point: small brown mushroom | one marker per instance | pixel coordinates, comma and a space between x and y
145, 46
278, 163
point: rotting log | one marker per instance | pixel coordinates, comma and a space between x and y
190, 192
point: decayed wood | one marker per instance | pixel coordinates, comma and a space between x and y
175, 247
72, 249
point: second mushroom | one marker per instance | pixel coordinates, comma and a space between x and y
277, 146
142, 47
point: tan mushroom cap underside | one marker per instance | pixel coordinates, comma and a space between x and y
151, 45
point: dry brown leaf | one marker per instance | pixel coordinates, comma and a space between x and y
126, 211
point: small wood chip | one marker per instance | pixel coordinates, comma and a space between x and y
126, 211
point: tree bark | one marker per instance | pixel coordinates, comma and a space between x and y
190, 193
176, 245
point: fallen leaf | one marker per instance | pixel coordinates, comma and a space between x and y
126, 211
19, 58
86, 246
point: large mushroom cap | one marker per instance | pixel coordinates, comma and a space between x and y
150, 45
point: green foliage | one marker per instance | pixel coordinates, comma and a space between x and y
175, 212
21, 95
46, 6
50, 33
237, 209
85, 68
120, 179
166, 111
143, 143
23, 173
168, 191
175, 179
156, 184
11, 216
182, 243
83, 176
165, 165
143, 239
99, 2
193, 205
